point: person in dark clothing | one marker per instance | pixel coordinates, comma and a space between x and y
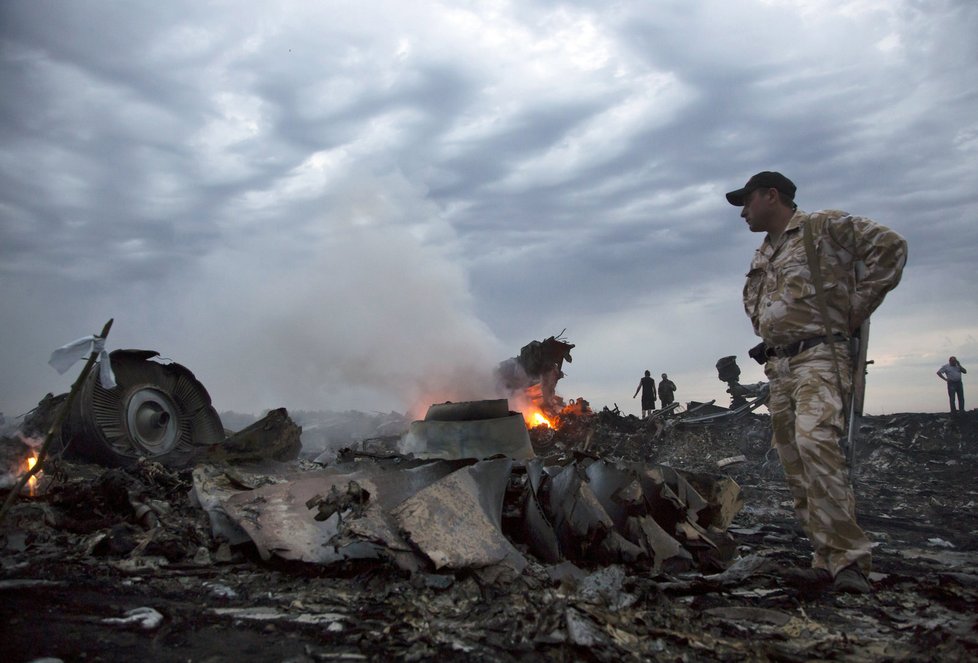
647, 386
667, 390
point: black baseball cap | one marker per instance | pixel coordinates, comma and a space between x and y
764, 180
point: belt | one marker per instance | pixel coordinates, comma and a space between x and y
797, 347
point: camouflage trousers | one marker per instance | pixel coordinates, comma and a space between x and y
808, 420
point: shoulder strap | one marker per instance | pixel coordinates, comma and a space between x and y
815, 267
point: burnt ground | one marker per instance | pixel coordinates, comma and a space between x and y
82, 554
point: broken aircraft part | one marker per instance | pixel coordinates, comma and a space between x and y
157, 411
273, 437
468, 410
280, 517
728, 371
441, 514
723, 414
449, 431
535, 372
457, 521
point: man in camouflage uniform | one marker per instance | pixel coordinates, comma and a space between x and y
808, 367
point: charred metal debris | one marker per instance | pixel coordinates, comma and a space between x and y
466, 536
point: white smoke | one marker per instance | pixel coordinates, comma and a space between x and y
349, 299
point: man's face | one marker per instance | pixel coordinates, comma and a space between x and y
758, 209
952, 360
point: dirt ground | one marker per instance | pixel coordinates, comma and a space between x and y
75, 561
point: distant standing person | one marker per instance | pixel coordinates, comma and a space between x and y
647, 386
667, 390
951, 373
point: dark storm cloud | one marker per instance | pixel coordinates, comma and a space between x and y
299, 184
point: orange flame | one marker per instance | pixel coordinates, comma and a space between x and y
32, 482
534, 418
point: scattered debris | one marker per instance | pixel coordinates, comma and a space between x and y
607, 554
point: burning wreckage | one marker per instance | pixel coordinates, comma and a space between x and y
471, 534
439, 505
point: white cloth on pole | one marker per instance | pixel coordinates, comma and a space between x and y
64, 357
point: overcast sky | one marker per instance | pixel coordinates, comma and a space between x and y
367, 205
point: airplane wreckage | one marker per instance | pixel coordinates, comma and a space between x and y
473, 533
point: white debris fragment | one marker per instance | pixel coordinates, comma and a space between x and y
140, 564
63, 358
202, 557
145, 618
723, 462
332, 620
941, 543
221, 590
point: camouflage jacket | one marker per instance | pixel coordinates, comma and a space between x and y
779, 295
